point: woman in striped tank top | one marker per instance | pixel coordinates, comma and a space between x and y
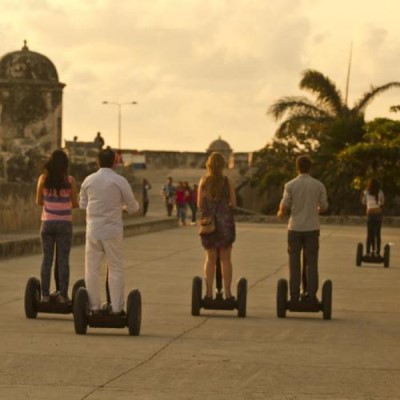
56, 192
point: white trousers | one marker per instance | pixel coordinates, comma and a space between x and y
95, 251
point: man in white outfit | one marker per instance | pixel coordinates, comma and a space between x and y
105, 195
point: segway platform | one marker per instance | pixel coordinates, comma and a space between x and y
33, 302
218, 302
304, 304
105, 319
372, 258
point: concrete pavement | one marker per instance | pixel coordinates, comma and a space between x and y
216, 355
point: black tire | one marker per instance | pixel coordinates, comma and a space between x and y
281, 298
242, 297
32, 297
386, 256
81, 311
78, 284
196, 295
134, 312
359, 254
327, 299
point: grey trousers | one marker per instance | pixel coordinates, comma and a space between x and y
303, 245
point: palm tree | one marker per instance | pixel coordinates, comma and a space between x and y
327, 122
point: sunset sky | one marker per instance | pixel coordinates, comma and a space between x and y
200, 69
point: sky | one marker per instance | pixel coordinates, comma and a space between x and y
201, 69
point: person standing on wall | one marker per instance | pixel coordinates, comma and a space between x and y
304, 197
56, 192
99, 141
105, 195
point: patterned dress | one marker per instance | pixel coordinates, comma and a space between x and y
225, 232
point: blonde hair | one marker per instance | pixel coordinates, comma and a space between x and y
214, 181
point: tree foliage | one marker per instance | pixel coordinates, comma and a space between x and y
346, 150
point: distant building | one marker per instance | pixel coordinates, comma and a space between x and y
224, 148
30, 113
30, 102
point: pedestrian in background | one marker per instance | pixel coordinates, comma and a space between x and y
181, 200
145, 195
193, 203
168, 193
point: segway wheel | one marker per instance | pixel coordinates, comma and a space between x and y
386, 256
242, 297
196, 295
81, 311
134, 311
359, 254
327, 299
78, 284
32, 297
281, 298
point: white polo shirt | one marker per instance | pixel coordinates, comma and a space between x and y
103, 195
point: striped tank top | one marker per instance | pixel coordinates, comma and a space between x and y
57, 207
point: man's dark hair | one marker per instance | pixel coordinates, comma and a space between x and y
303, 164
106, 158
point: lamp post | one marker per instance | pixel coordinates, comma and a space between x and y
119, 105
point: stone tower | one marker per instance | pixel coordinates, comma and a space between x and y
30, 103
223, 147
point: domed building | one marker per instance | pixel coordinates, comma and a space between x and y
224, 148
30, 102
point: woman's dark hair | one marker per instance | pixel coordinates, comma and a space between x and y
57, 172
373, 188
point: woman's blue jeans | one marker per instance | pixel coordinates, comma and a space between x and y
56, 235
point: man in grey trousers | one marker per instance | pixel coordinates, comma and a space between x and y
304, 197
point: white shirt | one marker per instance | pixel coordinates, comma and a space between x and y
104, 194
370, 201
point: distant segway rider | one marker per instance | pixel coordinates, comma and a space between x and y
56, 192
105, 195
373, 199
304, 197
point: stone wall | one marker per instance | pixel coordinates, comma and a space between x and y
174, 159
18, 210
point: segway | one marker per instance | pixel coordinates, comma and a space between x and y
304, 304
218, 302
105, 318
33, 301
373, 258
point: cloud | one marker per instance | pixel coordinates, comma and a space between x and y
198, 68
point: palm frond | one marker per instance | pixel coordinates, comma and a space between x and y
327, 93
293, 105
366, 99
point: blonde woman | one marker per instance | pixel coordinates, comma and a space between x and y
216, 196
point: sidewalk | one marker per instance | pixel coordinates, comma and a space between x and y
216, 356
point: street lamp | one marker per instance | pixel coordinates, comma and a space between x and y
119, 105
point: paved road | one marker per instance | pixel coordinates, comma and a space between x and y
216, 355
